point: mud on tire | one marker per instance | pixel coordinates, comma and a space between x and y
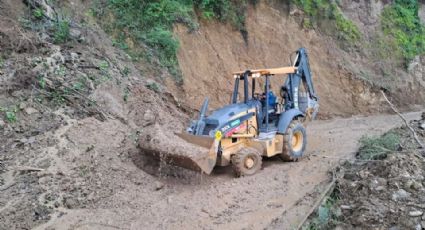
294, 142
246, 162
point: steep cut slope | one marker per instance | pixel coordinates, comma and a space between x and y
209, 56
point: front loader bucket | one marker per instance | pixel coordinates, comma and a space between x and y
204, 160
198, 153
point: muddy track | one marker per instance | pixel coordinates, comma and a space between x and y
278, 197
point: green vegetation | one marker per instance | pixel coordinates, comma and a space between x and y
11, 116
400, 21
316, 10
103, 66
327, 215
373, 148
233, 12
147, 22
126, 71
126, 94
153, 86
61, 34
135, 23
38, 13
10, 113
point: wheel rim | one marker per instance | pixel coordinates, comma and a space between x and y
249, 162
297, 141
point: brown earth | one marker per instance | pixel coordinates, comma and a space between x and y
93, 184
208, 57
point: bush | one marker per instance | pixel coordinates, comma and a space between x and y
401, 22
61, 34
153, 86
316, 10
162, 40
10, 113
348, 31
38, 13
373, 148
327, 215
151, 23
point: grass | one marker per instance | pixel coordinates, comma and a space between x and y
401, 23
372, 148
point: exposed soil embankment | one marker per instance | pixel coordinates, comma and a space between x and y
209, 56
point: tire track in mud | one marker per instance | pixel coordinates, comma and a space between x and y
277, 197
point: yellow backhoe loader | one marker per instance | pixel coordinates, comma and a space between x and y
256, 126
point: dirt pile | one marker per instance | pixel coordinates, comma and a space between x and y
386, 193
71, 114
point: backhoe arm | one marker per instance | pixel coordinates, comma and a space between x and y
304, 71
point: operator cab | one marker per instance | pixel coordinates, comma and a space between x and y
268, 105
297, 97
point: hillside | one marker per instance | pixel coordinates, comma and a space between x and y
81, 81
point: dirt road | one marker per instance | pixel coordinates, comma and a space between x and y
277, 197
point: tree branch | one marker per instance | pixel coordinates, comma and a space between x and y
415, 135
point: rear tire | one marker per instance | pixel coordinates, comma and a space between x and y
246, 162
294, 142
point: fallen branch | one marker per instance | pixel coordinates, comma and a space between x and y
415, 135
28, 169
7, 187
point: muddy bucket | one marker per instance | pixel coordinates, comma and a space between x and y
198, 153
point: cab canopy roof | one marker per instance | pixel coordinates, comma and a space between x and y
274, 71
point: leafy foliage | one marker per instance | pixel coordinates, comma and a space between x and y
10, 113
401, 22
377, 147
38, 13
225, 11
11, 116
153, 86
327, 215
316, 10
151, 23
61, 34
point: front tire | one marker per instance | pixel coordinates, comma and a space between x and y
294, 142
246, 162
